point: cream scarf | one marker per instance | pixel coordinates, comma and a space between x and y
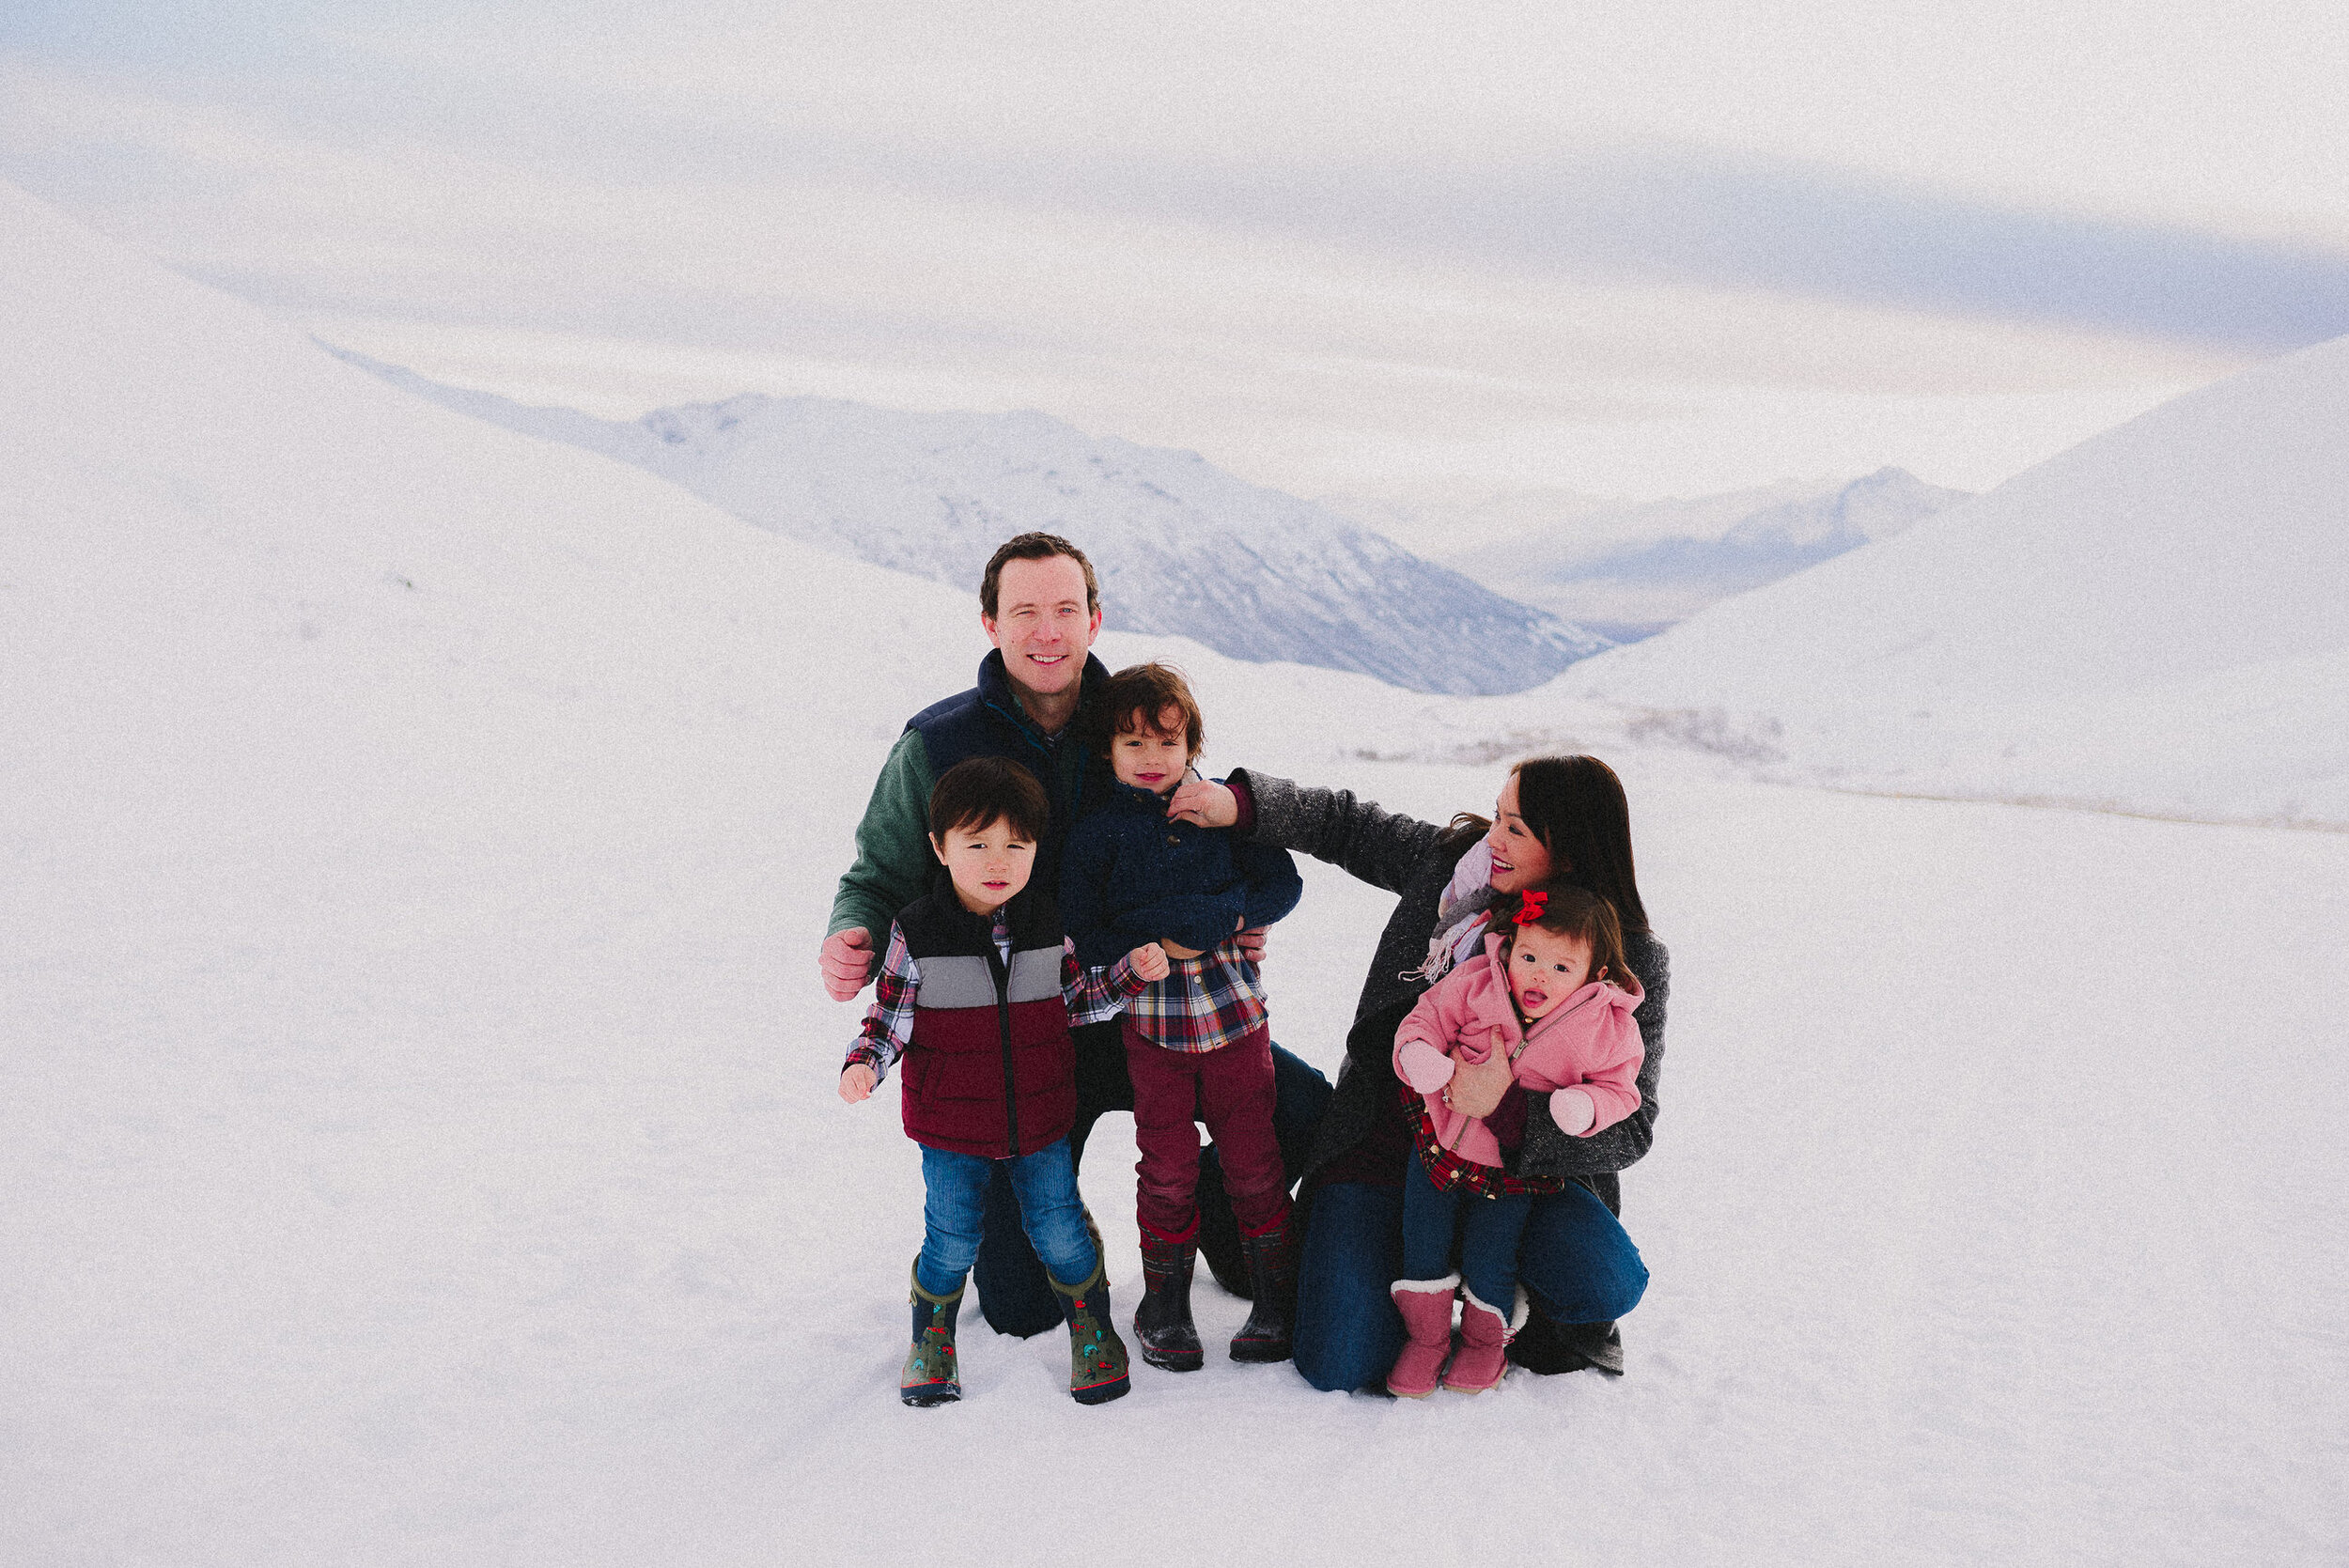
1459, 914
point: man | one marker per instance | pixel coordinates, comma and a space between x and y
1041, 608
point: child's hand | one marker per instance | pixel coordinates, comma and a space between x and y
856, 1084
1149, 961
1423, 1067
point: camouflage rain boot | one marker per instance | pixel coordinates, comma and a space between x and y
930, 1376
1096, 1357
1163, 1322
1272, 1270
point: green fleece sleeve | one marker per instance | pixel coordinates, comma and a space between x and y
893, 845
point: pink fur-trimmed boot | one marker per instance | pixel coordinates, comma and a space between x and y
1482, 1359
1427, 1309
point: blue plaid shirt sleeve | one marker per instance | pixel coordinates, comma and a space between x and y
889, 1022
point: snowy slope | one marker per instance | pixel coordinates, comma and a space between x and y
2152, 620
417, 1142
1181, 547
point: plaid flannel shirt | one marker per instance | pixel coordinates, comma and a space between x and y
1204, 1003
1090, 996
1448, 1169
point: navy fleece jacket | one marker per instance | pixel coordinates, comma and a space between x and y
1130, 875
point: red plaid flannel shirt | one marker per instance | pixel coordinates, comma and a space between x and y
1448, 1167
1204, 1003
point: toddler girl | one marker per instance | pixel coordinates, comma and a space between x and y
1552, 996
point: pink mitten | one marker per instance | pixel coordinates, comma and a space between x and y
1573, 1111
1427, 1069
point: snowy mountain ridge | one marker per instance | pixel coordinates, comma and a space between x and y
1627, 569
1182, 549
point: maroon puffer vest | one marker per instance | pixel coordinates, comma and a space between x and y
991, 1070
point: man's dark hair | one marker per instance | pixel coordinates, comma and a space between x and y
1033, 547
976, 793
1137, 697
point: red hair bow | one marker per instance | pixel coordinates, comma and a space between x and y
1529, 908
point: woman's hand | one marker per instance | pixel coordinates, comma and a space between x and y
1203, 801
1476, 1088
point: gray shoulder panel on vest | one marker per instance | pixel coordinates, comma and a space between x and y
1036, 974
955, 981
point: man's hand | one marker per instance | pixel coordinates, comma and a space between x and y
1250, 943
1203, 801
847, 961
1475, 1089
856, 1082
1149, 961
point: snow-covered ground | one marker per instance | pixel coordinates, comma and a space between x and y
417, 1143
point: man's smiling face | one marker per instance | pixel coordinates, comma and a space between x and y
1042, 625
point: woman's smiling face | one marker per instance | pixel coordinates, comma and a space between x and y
1520, 860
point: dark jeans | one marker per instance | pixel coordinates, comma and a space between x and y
1576, 1263
1483, 1232
1014, 1296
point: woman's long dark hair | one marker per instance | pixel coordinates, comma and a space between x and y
1575, 806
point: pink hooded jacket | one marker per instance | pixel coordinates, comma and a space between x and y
1588, 1042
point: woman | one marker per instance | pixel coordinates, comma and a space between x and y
1556, 817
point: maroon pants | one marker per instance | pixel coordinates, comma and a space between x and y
1230, 1089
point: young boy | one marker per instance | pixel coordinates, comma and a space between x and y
977, 994
1196, 1042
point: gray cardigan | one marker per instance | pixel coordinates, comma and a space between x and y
1415, 859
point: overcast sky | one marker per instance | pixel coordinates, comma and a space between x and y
1648, 249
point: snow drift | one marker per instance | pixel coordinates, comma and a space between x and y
2153, 620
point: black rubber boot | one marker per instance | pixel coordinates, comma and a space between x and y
931, 1375
1096, 1357
1272, 1304
1163, 1323
1546, 1347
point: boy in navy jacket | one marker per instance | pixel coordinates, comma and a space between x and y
1197, 1042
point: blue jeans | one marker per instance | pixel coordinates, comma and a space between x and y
1574, 1261
1044, 1188
1488, 1231
1013, 1294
